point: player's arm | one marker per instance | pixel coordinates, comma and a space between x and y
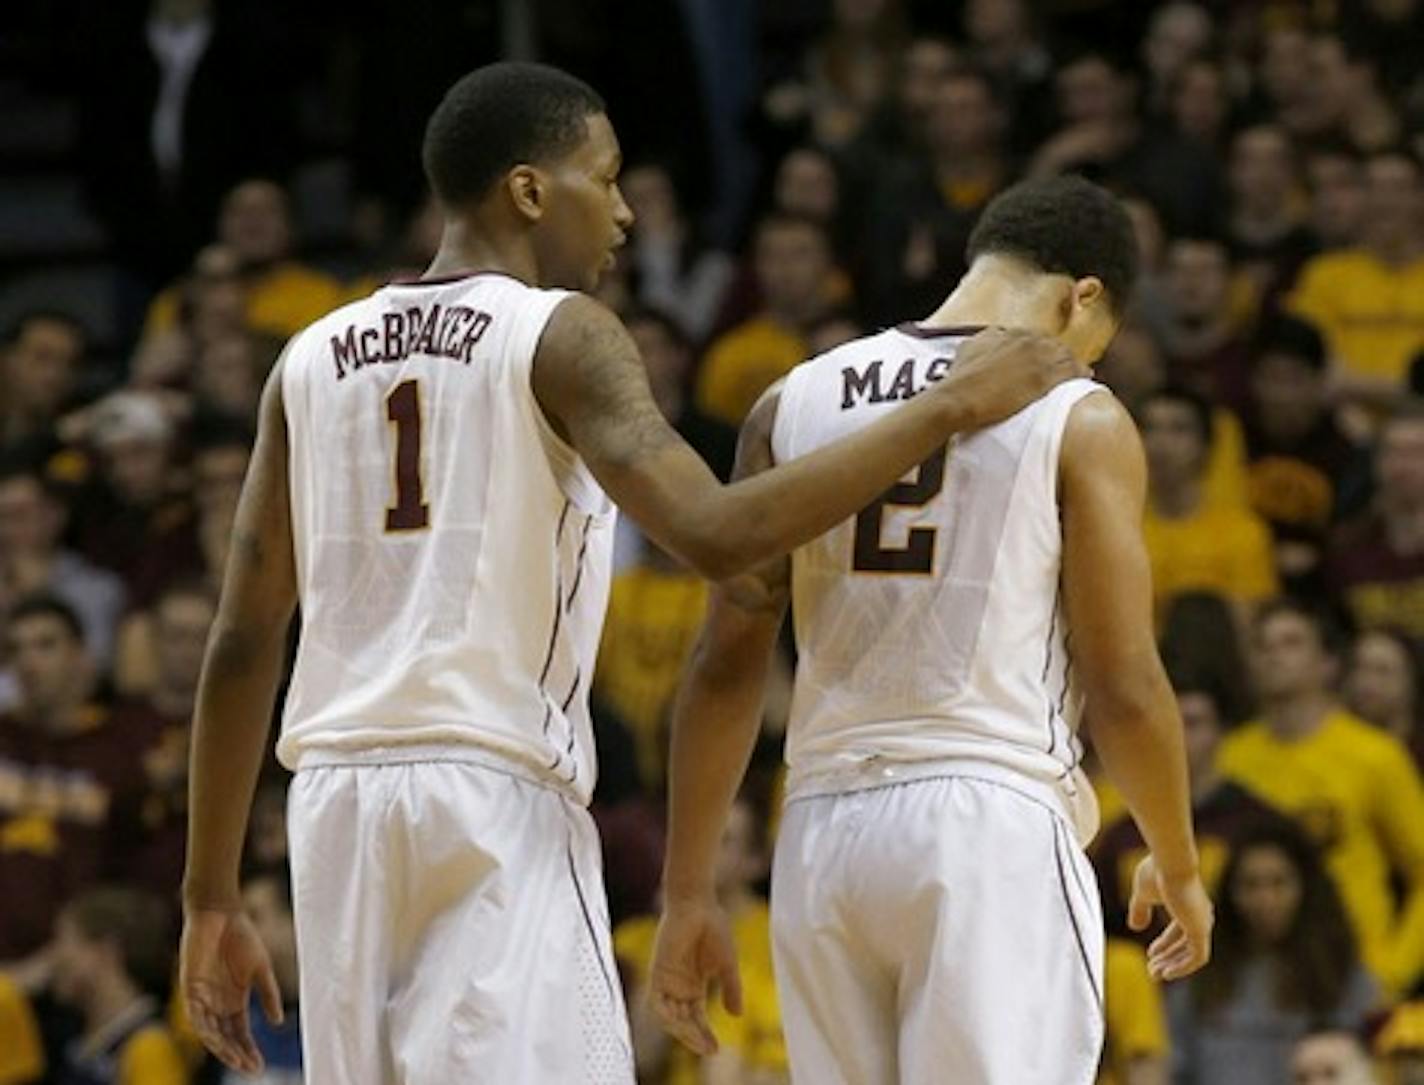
590, 381
221, 955
1130, 707
715, 722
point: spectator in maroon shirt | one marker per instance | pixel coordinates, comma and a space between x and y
1202, 339
1375, 563
1268, 234
64, 768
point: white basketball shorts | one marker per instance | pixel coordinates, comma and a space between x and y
451, 927
943, 930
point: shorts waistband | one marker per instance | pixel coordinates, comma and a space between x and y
425, 753
1069, 798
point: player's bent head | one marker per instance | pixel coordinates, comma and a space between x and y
1073, 230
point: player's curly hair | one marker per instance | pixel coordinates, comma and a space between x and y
1062, 225
499, 116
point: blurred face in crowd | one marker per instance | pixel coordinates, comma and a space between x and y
830, 334
50, 664
225, 376
1330, 1058
1178, 33
793, 260
1290, 660
137, 468
1337, 198
652, 198
859, 14
1147, 225
1133, 366
1198, 280
1332, 78
806, 184
1202, 723
1267, 892
964, 118
255, 224
1199, 102
1262, 171
266, 905
77, 961
740, 861
995, 22
1399, 464
30, 519
1285, 65
1290, 395
41, 366
1090, 91
1394, 206
668, 361
1380, 685
926, 62
181, 633
1172, 437
218, 472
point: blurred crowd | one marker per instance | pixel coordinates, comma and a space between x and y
805, 171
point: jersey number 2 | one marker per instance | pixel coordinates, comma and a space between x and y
916, 557
410, 512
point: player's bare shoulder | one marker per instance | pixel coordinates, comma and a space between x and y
1100, 432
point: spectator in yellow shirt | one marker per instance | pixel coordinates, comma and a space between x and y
752, 1050
112, 953
1195, 545
1136, 1049
794, 272
21, 1056
1369, 301
1351, 787
282, 295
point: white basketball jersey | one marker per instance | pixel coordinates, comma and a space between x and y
453, 554
929, 627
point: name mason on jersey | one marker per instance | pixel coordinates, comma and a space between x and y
441, 332
867, 383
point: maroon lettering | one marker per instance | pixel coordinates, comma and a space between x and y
473, 336
393, 348
343, 352
937, 370
426, 343
903, 386
368, 346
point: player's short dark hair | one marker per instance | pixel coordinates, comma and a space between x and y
499, 116
137, 923
45, 605
1064, 226
1291, 336
1201, 410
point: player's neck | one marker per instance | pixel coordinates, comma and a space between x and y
998, 292
463, 250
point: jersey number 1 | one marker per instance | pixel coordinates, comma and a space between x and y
916, 557
410, 512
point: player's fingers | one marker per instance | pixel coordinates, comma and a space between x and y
731, 981
1172, 936
270, 994
677, 1016
706, 1039
1139, 911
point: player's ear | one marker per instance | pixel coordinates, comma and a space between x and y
1088, 292
528, 191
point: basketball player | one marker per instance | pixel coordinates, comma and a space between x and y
934, 917
433, 481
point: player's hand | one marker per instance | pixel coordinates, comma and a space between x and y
221, 959
1185, 945
694, 952
1000, 371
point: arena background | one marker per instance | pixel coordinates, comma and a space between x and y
186, 183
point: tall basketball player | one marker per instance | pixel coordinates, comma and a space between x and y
934, 917
433, 481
